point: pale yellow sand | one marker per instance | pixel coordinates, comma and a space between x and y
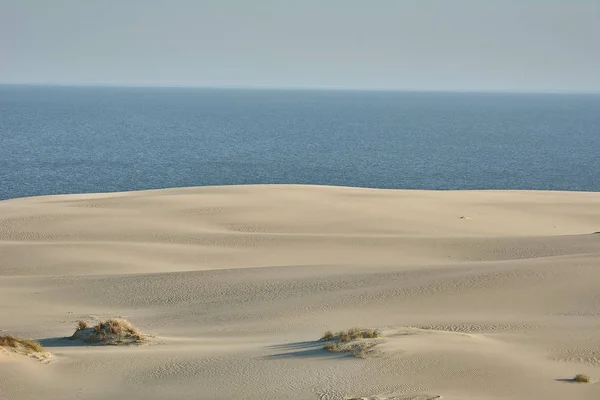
236, 283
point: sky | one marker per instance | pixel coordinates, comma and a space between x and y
471, 45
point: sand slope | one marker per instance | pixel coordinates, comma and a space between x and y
481, 295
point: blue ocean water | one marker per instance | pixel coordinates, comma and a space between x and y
101, 139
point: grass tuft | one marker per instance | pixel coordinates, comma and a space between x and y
114, 331
350, 341
350, 335
81, 325
327, 336
29, 346
581, 378
344, 337
332, 347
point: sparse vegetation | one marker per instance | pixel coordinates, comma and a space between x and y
351, 334
111, 332
18, 344
332, 347
580, 378
81, 325
360, 350
357, 349
350, 341
343, 337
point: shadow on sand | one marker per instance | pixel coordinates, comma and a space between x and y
63, 342
312, 349
570, 380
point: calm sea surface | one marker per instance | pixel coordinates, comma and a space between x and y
77, 139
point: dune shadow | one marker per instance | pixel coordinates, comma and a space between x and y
312, 349
63, 342
296, 345
566, 380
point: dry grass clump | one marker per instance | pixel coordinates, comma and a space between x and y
350, 341
360, 350
81, 325
111, 332
357, 349
332, 347
580, 378
351, 334
18, 344
343, 337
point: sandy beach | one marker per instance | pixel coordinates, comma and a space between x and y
477, 294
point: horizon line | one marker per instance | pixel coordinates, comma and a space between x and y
297, 88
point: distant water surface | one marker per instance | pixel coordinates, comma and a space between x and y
98, 139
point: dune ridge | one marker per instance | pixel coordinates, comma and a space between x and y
478, 294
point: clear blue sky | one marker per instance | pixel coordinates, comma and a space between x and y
524, 45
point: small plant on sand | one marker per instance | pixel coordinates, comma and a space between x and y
368, 334
580, 378
81, 325
332, 347
351, 334
23, 345
343, 337
111, 332
357, 349
350, 341
361, 350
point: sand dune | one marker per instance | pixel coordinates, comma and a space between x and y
480, 295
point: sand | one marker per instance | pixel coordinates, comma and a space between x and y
479, 294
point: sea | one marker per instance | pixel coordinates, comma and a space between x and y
60, 139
